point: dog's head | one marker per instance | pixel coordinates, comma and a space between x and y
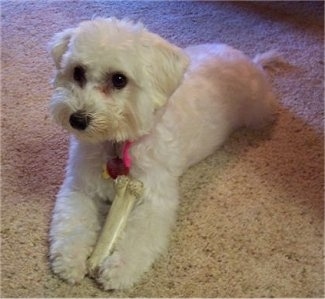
112, 77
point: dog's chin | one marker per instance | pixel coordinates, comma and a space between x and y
88, 138
96, 138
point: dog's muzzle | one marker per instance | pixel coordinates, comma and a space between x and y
79, 120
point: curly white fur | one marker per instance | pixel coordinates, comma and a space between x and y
178, 107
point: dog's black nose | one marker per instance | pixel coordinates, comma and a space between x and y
79, 120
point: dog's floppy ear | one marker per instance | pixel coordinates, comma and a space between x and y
59, 45
166, 65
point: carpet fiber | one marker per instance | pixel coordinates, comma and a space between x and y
251, 216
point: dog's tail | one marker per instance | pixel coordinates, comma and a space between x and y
271, 60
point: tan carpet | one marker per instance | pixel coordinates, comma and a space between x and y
251, 216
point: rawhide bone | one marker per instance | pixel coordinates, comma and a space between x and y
128, 193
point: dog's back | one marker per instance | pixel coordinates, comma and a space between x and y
222, 90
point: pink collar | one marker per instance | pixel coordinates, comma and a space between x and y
121, 163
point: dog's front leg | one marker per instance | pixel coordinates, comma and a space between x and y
73, 233
145, 237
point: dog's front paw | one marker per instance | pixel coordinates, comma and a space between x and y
116, 273
69, 268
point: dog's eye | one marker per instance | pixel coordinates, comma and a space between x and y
79, 75
119, 80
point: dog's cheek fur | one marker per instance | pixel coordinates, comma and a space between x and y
138, 114
60, 107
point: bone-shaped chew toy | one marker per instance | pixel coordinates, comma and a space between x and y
128, 193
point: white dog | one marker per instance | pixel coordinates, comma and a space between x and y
118, 85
